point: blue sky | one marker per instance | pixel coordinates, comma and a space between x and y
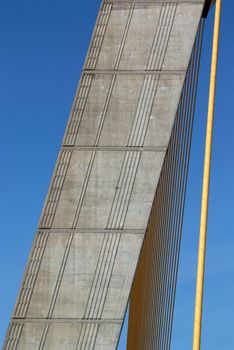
42, 50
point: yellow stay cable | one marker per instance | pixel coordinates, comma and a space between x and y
206, 181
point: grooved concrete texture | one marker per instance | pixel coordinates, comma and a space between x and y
80, 271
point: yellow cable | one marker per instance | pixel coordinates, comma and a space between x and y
205, 188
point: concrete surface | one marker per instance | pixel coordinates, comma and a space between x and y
80, 271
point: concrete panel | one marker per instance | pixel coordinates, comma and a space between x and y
113, 37
121, 111
62, 336
78, 276
31, 336
164, 109
122, 275
140, 37
107, 337
144, 190
182, 36
47, 277
93, 112
72, 190
101, 189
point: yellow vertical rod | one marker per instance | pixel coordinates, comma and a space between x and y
206, 181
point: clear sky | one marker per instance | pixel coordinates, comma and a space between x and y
42, 50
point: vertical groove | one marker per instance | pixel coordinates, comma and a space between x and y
102, 276
98, 36
77, 109
161, 37
13, 336
55, 190
31, 274
83, 190
123, 190
130, 14
60, 275
43, 337
87, 337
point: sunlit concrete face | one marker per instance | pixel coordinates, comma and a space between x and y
84, 256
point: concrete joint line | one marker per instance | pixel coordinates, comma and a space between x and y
65, 320
135, 72
117, 148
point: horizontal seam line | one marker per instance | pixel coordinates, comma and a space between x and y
115, 148
153, 1
91, 231
63, 320
134, 72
